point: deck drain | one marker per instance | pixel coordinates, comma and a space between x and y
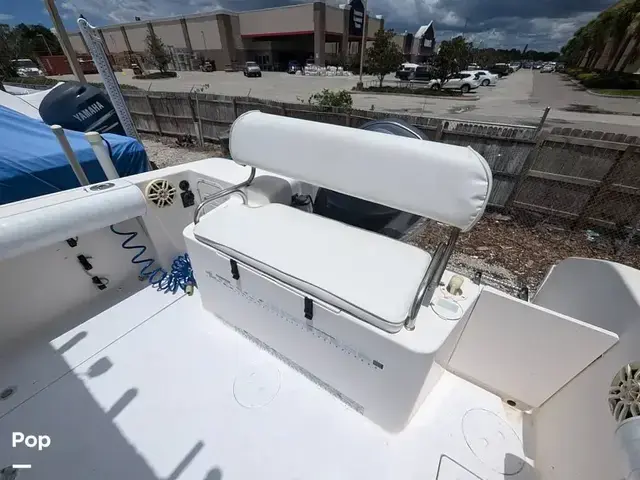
493, 441
7, 392
256, 385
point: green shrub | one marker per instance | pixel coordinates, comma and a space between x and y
574, 72
156, 75
586, 76
413, 91
330, 99
613, 81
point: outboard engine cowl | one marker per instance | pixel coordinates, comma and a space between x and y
83, 108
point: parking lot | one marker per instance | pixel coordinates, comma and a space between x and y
517, 99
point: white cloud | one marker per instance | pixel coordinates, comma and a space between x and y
451, 17
5, 16
119, 11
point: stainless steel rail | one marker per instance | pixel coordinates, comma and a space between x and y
222, 193
432, 278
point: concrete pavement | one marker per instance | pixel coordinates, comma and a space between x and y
518, 99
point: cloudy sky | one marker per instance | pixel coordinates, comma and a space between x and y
543, 24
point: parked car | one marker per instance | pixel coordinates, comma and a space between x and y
137, 70
420, 73
405, 71
463, 81
548, 68
293, 67
484, 77
25, 67
473, 66
208, 66
537, 65
500, 69
252, 69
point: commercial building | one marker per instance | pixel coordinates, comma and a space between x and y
419, 47
272, 37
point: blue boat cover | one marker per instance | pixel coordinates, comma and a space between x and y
32, 162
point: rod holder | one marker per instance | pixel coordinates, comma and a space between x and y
102, 154
58, 131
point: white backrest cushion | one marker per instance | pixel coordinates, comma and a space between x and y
447, 183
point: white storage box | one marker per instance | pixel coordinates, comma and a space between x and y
385, 376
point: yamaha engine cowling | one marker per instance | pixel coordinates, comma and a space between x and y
83, 108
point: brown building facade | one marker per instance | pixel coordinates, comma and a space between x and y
272, 37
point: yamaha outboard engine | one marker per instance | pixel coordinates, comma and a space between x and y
357, 212
83, 108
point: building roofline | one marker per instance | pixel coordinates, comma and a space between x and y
187, 16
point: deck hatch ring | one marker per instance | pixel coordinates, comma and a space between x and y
102, 186
7, 392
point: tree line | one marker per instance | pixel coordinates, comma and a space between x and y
25, 41
385, 56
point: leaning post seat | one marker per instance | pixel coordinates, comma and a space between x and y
376, 279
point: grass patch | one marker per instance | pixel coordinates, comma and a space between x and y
622, 93
413, 91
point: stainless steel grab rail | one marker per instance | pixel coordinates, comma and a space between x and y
222, 193
432, 278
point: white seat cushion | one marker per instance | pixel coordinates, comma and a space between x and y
374, 278
446, 183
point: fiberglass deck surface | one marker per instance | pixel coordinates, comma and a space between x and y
157, 388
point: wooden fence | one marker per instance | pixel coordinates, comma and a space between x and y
506, 147
576, 176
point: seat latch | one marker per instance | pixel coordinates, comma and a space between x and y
308, 308
234, 269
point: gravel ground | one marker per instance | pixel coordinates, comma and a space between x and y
513, 252
166, 152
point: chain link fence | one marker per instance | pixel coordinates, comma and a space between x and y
577, 194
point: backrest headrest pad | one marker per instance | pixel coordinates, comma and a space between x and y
446, 183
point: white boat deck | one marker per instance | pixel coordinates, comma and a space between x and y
157, 388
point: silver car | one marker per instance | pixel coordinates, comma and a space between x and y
252, 69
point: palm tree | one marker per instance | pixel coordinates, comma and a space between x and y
626, 14
635, 50
600, 30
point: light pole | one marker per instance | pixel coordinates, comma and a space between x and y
204, 40
362, 45
45, 42
64, 40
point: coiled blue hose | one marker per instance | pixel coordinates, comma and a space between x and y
180, 277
